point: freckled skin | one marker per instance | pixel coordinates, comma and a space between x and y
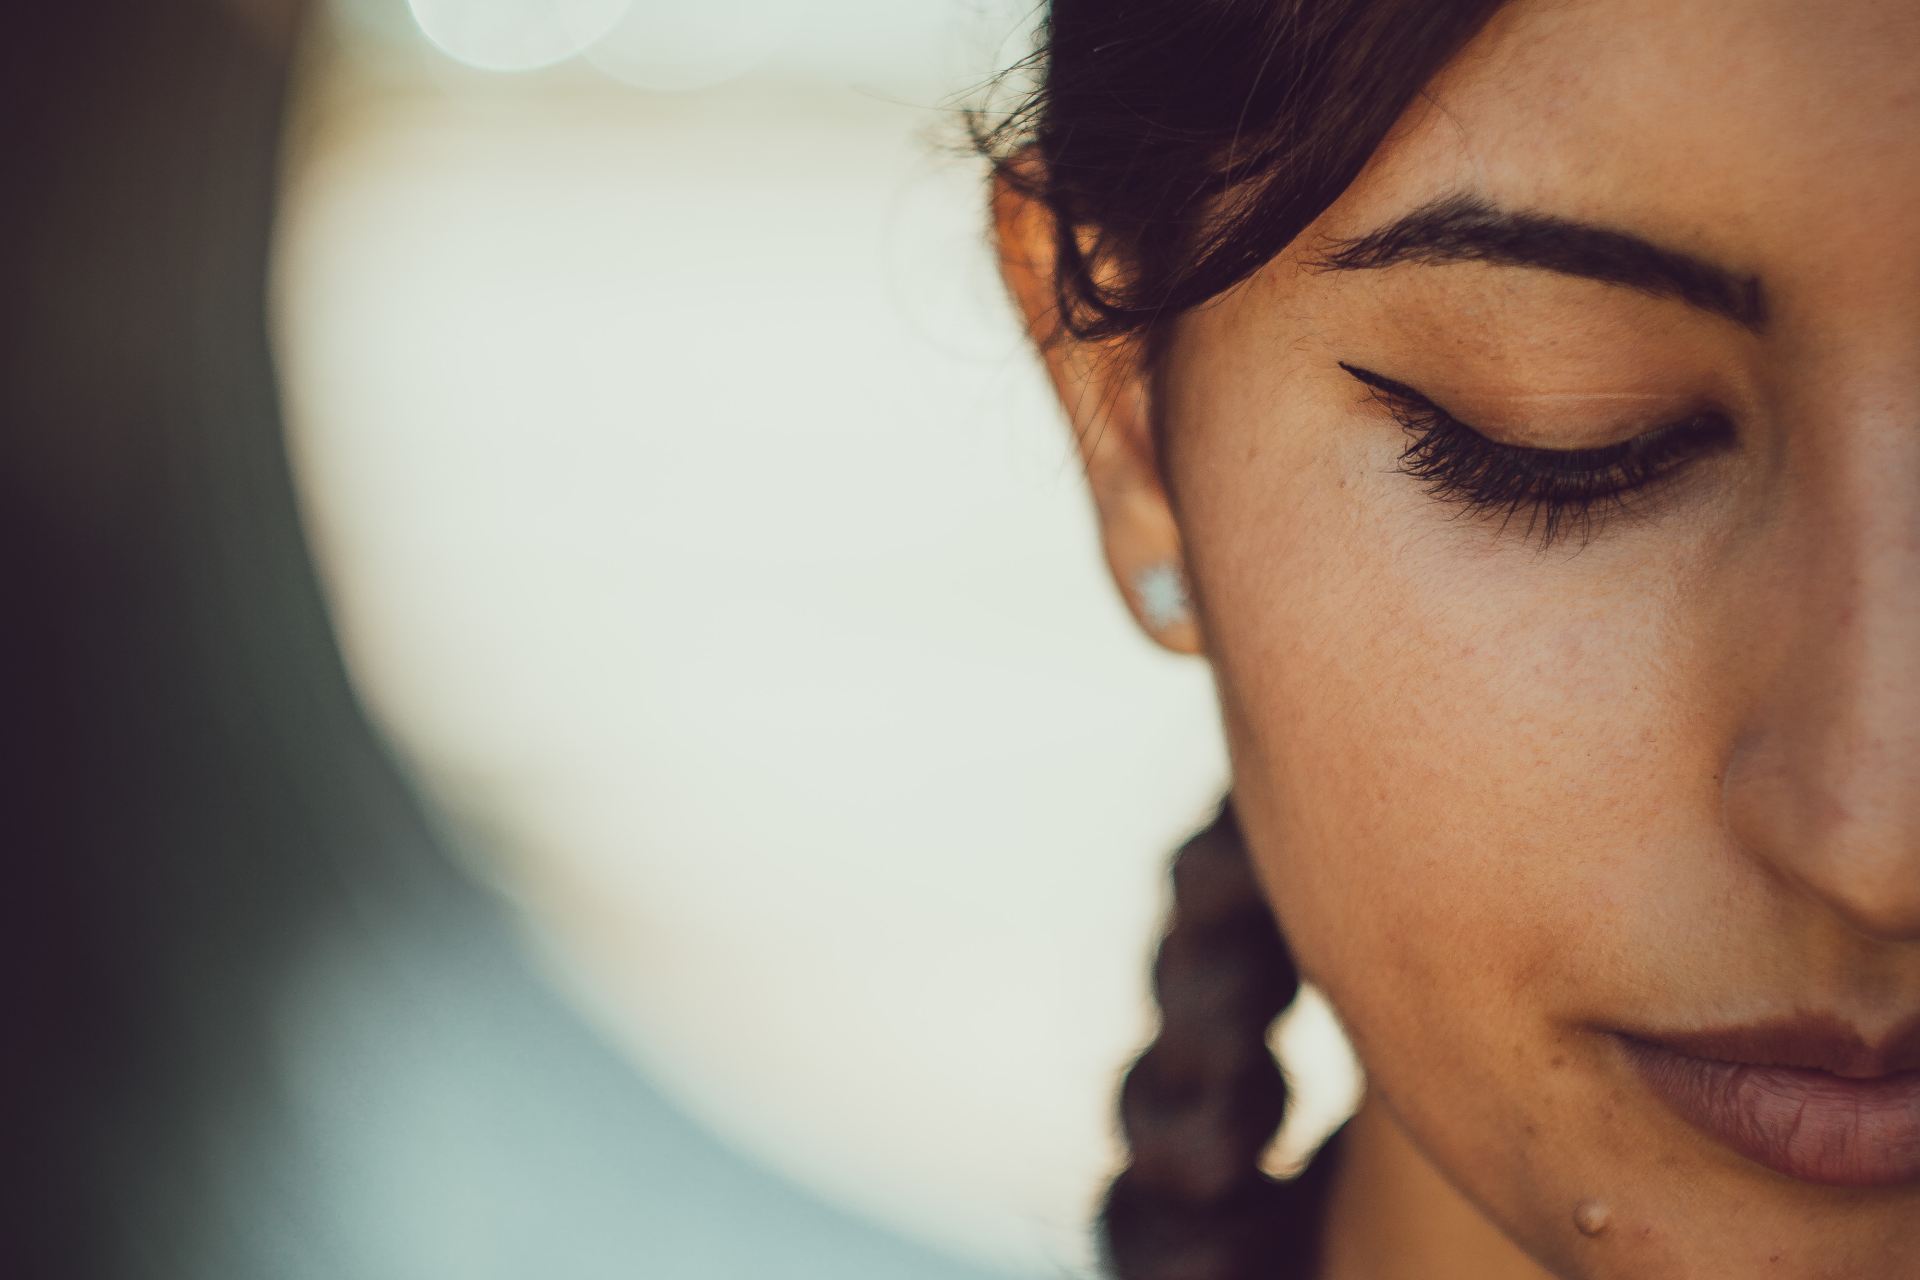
1669, 778
1486, 785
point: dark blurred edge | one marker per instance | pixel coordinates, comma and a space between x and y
188, 767
198, 807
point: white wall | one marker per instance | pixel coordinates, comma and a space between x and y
704, 537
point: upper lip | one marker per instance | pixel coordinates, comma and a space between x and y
1809, 1041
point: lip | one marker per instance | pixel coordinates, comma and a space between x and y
1807, 1097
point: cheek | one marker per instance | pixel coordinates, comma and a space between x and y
1458, 766
1407, 770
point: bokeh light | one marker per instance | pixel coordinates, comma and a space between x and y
676, 45
706, 538
516, 35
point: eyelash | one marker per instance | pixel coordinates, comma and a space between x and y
1557, 488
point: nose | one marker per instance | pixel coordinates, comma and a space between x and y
1823, 782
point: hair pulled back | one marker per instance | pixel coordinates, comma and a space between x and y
1200, 1105
1178, 146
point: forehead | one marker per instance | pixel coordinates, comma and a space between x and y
1780, 137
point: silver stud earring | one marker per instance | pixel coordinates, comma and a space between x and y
1162, 591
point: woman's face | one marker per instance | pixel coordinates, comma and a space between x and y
1659, 772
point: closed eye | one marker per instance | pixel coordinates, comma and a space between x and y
1562, 491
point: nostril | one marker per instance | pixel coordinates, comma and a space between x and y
1874, 888
1854, 848
1883, 906
1864, 858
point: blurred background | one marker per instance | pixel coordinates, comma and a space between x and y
574, 722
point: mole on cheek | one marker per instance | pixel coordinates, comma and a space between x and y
1591, 1217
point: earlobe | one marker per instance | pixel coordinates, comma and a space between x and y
1104, 389
1162, 592
1144, 554
1164, 605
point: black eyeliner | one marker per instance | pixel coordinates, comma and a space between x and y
1556, 487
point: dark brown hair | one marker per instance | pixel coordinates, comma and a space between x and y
1179, 145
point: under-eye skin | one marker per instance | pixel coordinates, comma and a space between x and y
1562, 491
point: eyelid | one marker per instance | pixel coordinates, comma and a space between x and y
1392, 390
1466, 468
1648, 411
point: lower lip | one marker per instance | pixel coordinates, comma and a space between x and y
1811, 1125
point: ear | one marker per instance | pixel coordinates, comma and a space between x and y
1105, 391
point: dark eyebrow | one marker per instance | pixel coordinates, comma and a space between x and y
1465, 228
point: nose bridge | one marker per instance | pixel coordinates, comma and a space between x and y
1824, 780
